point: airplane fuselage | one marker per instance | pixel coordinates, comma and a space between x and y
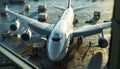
59, 39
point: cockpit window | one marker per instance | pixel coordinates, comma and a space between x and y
56, 37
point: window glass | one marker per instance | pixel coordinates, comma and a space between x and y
91, 52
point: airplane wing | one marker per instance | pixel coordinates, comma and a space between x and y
42, 28
91, 29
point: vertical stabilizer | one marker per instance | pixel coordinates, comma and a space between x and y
69, 3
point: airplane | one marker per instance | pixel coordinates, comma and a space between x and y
62, 33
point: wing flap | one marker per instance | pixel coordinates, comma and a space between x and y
91, 29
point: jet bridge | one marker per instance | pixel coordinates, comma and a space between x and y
17, 59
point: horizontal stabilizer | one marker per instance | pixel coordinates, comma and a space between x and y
59, 7
80, 8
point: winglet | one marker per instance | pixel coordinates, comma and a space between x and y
6, 8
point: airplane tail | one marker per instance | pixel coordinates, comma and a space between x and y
63, 8
76, 9
69, 3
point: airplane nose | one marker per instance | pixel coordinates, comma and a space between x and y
53, 58
53, 52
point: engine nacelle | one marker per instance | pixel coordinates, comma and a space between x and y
15, 26
27, 34
103, 43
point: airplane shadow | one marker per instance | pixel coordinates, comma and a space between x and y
96, 61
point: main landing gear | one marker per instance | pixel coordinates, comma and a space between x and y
79, 41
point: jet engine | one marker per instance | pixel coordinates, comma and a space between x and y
26, 35
102, 42
15, 26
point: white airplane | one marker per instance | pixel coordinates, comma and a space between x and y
62, 33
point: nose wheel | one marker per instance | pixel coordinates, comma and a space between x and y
58, 63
